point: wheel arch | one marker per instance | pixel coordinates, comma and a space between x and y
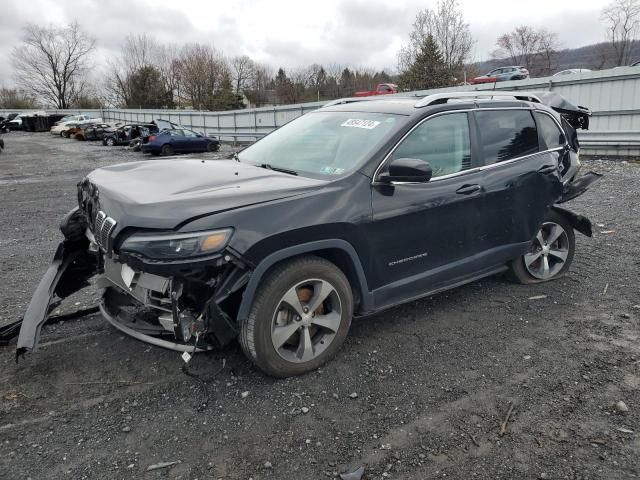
337, 251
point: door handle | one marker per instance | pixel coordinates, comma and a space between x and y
469, 189
547, 169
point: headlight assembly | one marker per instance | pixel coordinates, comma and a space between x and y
177, 245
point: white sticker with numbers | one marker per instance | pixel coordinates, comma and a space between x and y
360, 123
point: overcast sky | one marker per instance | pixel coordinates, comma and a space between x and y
292, 33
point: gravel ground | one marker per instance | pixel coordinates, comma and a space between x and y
417, 392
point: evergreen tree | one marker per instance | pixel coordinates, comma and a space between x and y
225, 98
428, 70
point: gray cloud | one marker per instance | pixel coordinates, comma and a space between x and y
289, 33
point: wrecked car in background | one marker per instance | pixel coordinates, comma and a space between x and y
93, 131
61, 126
124, 134
359, 206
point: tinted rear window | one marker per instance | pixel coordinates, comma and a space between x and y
550, 134
506, 134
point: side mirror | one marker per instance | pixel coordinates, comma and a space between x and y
407, 170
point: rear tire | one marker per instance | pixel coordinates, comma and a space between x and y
550, 254
305, 306
109, 142
213, 147
166, 150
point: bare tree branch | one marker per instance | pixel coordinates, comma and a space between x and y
623, 22
52, 63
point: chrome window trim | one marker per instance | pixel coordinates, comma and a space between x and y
471, 170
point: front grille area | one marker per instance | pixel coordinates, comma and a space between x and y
102, 230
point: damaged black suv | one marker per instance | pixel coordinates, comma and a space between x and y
354, 208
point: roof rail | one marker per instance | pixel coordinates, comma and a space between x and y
343, 101
437, 98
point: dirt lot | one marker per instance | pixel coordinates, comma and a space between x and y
417, 392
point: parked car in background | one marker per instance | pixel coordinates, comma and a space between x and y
93, 131
570, 71
124, 134
169, 142
4, 122
381, 89
502, 74
60, 126
16, 122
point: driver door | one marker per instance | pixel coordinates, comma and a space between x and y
424, 235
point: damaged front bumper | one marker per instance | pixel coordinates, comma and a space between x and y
183, 308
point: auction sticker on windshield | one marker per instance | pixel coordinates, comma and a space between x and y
360, 123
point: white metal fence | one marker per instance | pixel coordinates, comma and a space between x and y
612, 95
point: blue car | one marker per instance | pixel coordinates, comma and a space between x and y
169, 142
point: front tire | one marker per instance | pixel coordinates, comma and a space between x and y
300, 317
213, 147
550, 254
109, 142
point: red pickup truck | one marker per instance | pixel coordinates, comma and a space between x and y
381, 89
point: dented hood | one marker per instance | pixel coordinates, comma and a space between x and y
163, 194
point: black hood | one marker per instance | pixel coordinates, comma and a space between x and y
163, 194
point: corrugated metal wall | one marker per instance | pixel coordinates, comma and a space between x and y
612, 95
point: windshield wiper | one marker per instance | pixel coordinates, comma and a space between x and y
277, 169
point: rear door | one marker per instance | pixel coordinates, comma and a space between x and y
520, 179
423, 234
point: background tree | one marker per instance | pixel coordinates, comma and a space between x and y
147, 88
135, 68
243, 71
526, 46
201, 69
622, 18
51, 63
225, 98
450, 32
11, 98
260, 89
428, 69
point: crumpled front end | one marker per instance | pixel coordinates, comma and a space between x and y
180, 304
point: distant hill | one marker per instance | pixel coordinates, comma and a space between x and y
593, 57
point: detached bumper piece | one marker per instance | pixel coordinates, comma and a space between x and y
72, 267
579, 186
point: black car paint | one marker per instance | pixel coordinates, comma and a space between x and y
395, 242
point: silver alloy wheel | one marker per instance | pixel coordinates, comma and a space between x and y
548, 252
306, 320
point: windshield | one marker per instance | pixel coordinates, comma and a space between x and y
323, 143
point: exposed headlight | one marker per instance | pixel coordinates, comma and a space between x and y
177, 245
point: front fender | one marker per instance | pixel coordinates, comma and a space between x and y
289, 252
